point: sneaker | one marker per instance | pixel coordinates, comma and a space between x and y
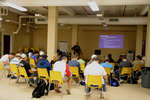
68, 91
13, 77
8, 76
57, 90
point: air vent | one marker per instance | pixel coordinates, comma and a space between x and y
113, 19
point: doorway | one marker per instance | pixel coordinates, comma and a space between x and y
7, 44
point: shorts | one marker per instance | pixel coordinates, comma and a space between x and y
6, 66
66, 78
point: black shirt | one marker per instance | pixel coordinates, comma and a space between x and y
26, 66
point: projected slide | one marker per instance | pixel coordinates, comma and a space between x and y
111, 41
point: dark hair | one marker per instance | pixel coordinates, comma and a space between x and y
139, 57
12, 54
96, 59
109, 55
36, 52
64, 57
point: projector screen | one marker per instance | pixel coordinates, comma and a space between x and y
111, 41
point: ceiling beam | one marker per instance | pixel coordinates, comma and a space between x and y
144, 11
67, 10
77, 2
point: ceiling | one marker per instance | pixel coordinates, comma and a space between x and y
77, 2
109, 11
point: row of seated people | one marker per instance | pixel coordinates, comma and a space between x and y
93, 67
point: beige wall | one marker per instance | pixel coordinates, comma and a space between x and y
88, 37
20, 40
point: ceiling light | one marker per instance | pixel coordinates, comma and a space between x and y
1, 18
99, 15
93, 5
14, 6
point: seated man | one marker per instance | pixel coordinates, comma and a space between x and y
63, 67
138, 62
125, 63
94, 68
5, 60
106, 64
44, 63
75, 63
16, 60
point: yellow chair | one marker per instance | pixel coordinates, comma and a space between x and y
23, 73
56, 77
94, 81
126, 71
108, 70
74, 71
138, 67
82, 66
14, 69
113, 64
42, 73
1, 67
32, 62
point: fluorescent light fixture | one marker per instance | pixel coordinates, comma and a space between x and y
93, 5
99, 15
12, 5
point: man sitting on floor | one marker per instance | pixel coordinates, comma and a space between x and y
94, 68
63, 67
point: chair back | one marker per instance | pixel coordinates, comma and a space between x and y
22, 72
56, 77
42, 73
32, 62
14, 69
94, 81
82, 66
1, 67
108, 70
113, 64
74, 71
126, 71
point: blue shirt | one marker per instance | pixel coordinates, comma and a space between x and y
107, 65
43, 63
74, 63
35, 57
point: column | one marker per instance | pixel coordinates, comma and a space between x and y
147, 62
139, 39
52, 32
74, 34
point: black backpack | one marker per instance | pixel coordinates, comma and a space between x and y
40, 89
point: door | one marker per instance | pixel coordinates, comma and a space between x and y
6, 44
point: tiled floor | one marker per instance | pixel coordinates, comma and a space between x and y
9, 90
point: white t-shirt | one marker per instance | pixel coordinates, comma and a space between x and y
61, 67
15, 61
4, 58
94, 69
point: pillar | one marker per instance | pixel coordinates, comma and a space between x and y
52, 32
147, 62
139, 39
74, 34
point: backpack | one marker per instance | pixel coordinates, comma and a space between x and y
39, 90
114, 82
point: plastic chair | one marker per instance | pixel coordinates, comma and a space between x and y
108, 71
42, 73
32, 62
113, 64
56, 77
82, 66
1, 67
126, 71
138, 68
94, 81
74, 71
14, 69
